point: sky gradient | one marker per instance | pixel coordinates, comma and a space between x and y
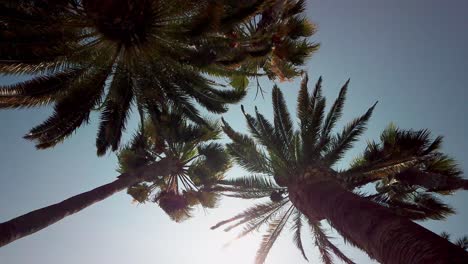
411, 56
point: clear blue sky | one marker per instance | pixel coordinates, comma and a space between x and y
412, 56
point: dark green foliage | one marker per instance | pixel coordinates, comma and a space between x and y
406, 167
109, 55
199, 162
410, 157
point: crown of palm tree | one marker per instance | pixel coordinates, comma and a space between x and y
278, 155
201, 163
107, 55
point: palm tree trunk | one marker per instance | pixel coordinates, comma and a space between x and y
34, 221
375, 229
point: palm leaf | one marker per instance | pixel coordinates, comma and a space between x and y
297, 226
325, 247
303, 103
273, 232
462, 242
115, 113
258, 182
262, 211
70, 113
283, 124
245, 151
344, 141
310, 130
333, 115
37, 91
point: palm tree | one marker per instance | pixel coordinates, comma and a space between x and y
461, 242
178, 161
202, 164
404, 198
295, 168
108, 55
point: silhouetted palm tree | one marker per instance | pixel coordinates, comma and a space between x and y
295, 168
201, 165
106, 55
180, 154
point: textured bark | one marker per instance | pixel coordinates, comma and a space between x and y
375, 229
34, 221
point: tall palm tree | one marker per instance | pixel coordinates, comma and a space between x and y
107, 55
403, 197
297, 169
177, 161
408, 199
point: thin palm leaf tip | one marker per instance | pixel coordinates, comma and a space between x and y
109, 55
407, 168
201, 164
461, 242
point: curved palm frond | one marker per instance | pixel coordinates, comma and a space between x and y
245, 152
167, 53
344, 140
296, 228
115, 112
273, 232
38, 91
410, 203
249, 187
410, 157
326, 248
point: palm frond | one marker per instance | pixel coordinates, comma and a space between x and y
37, 91
114, 116
70, 113
262, 211
274, 230
445, 235
333, 116
310, 131
414, 205
344, 140
304, 110
259, 182
325, 247
245, 152
246, 194
282, 121
321, 240
294, 8
462, 242
296, 228
249, 187
211, 167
